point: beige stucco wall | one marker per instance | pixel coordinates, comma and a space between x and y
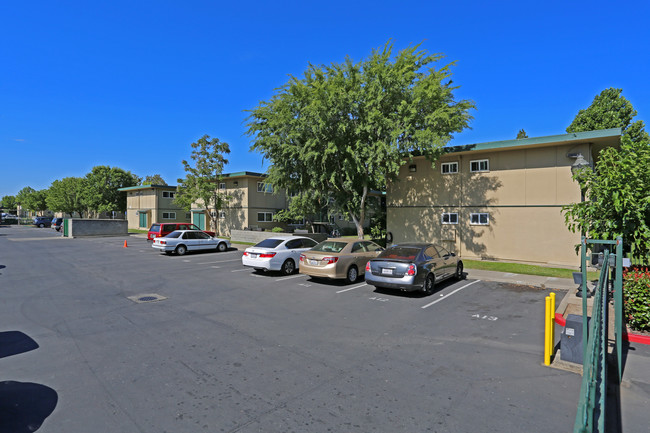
523, 193
151, 201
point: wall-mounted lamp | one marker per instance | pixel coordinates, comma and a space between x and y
413, 168
579, 164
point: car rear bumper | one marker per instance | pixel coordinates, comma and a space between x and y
406, 283
258, 263
164, 248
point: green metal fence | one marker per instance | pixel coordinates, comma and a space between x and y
591, 412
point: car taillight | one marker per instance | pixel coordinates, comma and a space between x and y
368, 267
161, 242
245, 253
267, 255
412, 270
302, 257
330, 260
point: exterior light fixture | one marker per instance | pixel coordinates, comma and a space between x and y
579, 164
413, 168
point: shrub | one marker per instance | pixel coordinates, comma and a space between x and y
277, 230
636, 298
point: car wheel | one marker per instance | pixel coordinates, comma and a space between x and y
459, 271
41, 225
353, 274
221, 247
429, 283
181, 250
288, 267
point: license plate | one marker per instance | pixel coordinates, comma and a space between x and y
253, 256
385, 271
312, 262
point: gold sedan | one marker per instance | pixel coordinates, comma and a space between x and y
339, 258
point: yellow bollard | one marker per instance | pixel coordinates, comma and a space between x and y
551, 316
547, 353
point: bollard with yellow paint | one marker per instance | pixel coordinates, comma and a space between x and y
549, 329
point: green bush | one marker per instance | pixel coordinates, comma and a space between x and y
277, 230
636, 298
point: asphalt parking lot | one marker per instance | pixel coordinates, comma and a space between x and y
224, 349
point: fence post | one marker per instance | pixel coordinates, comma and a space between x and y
618, 306
547, 333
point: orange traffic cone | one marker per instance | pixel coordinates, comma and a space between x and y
125, 245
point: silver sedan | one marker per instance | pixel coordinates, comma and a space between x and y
182, 241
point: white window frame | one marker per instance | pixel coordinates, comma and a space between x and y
169, 194
477, 216
170, 215
449, 219
222, 214
449, 165
266, 218
222, 185
264, 187
479, 162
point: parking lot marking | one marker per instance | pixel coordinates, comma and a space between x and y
292, 276
445, 297
352, 288
216, 267
240, 270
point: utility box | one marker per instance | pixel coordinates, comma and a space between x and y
571, 339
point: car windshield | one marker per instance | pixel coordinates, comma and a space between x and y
330, 246
154, 228
269, 243
399, 253
175, 234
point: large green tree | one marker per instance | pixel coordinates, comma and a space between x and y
201, 181
154, 179
100, 192
67, 196
8, 202
32, 200
617, 189
342, 130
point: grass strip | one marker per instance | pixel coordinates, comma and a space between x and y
520, 268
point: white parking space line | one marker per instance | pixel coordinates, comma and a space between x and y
352, 288
240, 270
288, 278
216, 261
446, 296
216, 267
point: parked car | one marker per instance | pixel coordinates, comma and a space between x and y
339, 258
42, 221
57, 224
278, 253
413, 266
163, 229
182, 241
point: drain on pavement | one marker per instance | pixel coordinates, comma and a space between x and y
147, 297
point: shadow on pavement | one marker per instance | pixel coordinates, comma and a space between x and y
24, 406
15, 343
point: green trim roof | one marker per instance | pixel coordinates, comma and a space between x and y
133, 188
243, 173
550, 139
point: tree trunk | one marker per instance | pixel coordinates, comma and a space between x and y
362, 213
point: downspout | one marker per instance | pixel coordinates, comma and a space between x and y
460, 206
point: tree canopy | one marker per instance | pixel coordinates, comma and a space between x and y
32, 200
100, 191
200, 184
342, 130
617, 197
8, 202
610, 109
154, 179
67, 196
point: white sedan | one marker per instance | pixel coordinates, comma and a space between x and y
278, 253
182, 241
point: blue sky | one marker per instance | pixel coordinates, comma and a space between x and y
131, 84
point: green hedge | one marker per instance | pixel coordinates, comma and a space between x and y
636, 298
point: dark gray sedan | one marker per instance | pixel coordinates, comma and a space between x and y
413, 266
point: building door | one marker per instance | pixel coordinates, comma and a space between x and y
199, 220
143, 220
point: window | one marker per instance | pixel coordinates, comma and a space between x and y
222, 214
481, 219
449, 167
479, 165
293, 244
169, 194
222, 186
188, 215
264, 187
264, 217
169, 215
450, 218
